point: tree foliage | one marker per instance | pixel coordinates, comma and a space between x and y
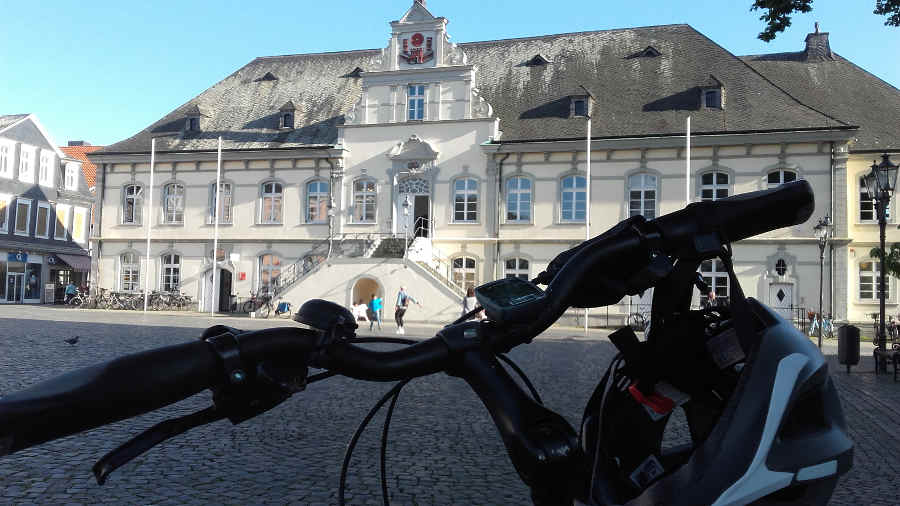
778, 13
891, 262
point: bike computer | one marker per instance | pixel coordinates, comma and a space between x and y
510, 299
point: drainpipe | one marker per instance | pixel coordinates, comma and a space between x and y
831, 249
499, 210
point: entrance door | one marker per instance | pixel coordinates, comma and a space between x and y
15, 281
422, 222
781, 299
224, 290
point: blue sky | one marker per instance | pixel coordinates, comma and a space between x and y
101, 71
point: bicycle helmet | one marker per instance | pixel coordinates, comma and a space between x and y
765, 421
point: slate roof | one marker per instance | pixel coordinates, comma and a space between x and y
9, 119
842, 89
87, 167
644, 95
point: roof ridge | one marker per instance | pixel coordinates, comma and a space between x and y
585, 32
766, 79
324, 53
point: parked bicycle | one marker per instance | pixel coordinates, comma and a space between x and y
260, 303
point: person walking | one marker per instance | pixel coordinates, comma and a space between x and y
70, 291
403, 300
375, 304
469, 303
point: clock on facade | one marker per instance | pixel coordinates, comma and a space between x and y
416, 54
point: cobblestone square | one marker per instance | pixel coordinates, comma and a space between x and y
443, 447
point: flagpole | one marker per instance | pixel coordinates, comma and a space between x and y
587, 217
687, 166
149, 223
212, 301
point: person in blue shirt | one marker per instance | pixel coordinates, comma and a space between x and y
403, 300
375, 304
70, 291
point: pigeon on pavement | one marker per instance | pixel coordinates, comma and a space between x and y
72, 340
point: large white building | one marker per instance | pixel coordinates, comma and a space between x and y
477, 150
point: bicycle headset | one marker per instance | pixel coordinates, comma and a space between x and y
765, 420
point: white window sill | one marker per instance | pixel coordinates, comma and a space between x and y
171, 224
22, 234
60, 238
131, 224
579, 223
519, 223
859, 223
464, 223
875, 302
269, 224
41, 236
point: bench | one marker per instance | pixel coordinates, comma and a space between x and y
883, 356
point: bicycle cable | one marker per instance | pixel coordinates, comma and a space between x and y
522, 375
384, 435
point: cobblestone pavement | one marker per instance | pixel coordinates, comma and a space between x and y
443, 447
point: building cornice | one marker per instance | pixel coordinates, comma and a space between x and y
331, 151
416, 123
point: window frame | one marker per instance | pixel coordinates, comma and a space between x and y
715, 185
781, 171
717, 93
5, 199
420, 101
27, 232
37, 220
284, 120
573, 111
45, 170
318, 196
518, 192
84, 216
211, 209
263, 195
166, 197
365, 204
643, 188
876, 281
467, 193
261, 267
137, 213
464, 270
863, 197
7, 157
711, 276
26, 162
135, 273
575, 191
164, 274
518, 271
66, 208
71, 176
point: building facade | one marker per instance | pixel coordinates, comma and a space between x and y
475, 150
44, 215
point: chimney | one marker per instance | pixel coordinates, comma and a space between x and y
817, 47
420, 2
79, 143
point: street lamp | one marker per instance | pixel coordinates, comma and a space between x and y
405, 225
880, 184
821, 230
330, 213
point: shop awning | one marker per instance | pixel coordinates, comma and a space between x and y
80, 263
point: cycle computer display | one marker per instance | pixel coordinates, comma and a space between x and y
510, 299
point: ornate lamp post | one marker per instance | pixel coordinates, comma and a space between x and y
406, 205
821, 230
880, 184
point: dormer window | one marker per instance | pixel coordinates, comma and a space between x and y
287, 120
194, 124
579, 107
286, 115
193, 115
712, 99
537, 60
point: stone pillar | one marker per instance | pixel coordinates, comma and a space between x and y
840, 194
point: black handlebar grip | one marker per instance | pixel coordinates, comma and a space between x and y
105, 393
739, 216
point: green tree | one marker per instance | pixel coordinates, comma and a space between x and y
778, 13
891, 263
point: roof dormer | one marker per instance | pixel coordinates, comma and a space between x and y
286, 115
537, 60
268, 76
194, 118
712, 94
647, 52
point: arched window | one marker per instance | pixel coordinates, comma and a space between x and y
225, 202
173, 203
642, 195
870, 281
716, 276
133, 204
317, 198
171, 272
573, 198
463, 272
518, 199
517, 268
287, 120
269, 270
465, 200
129, 271
364, 201
271, 201
781, 267
714, 186
779, 177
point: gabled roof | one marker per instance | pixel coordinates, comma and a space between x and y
635, 97
417, 12
87, 167
839, 88
9, 120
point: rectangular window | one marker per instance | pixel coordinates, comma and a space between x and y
225, 201
79, 220
26, 164
131, 212
72, 176
574, 199
62, 221
173, 203
4, 217
416, 101
579, 107
45, 172
6, 161
712, 99
465, 200
23, 216
870, 282
364, 192
867, 210
42, 228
